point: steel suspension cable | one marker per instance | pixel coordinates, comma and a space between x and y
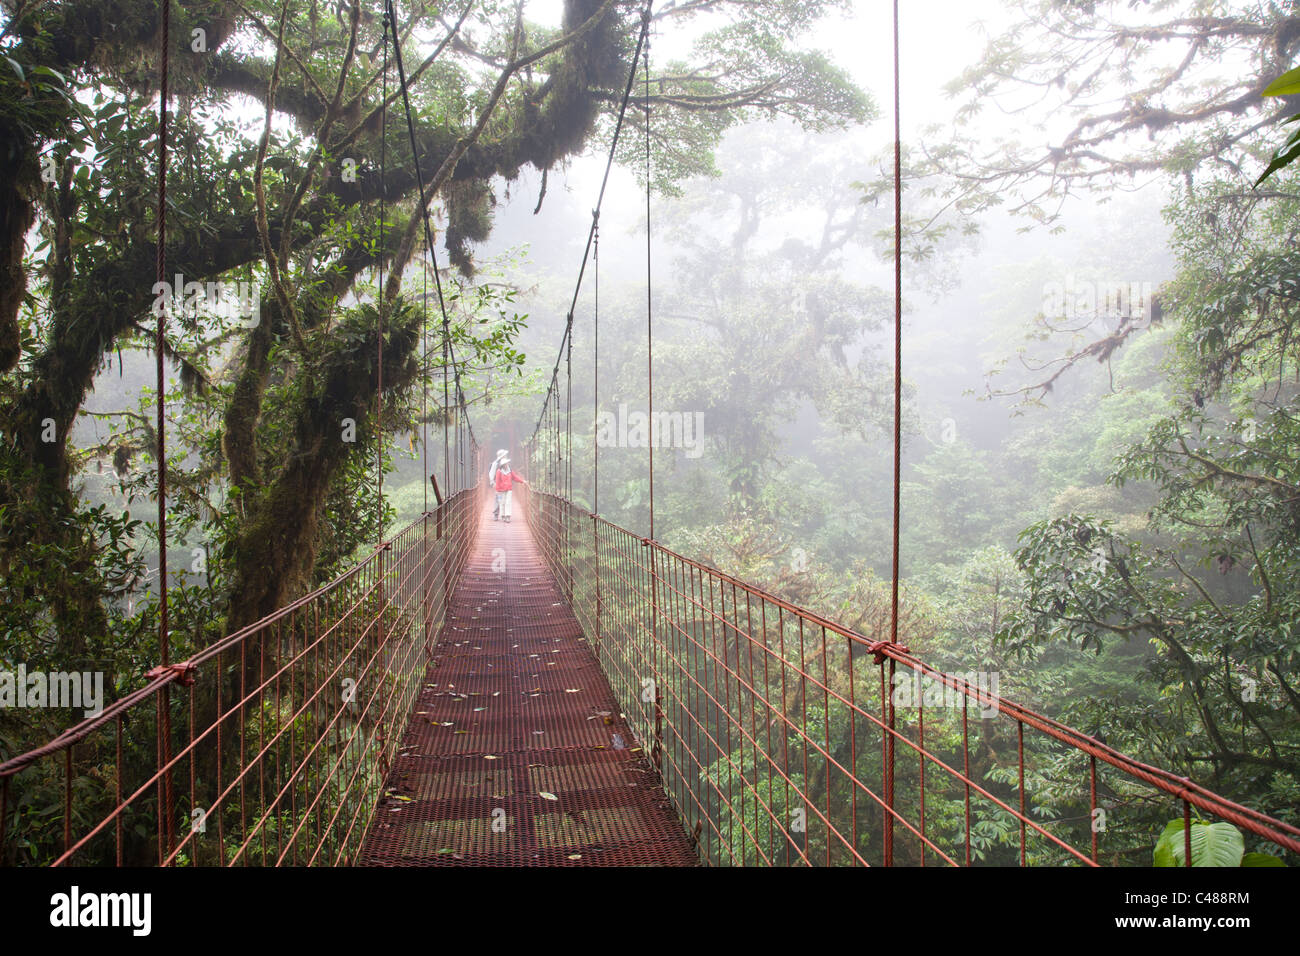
600, 199
448, 352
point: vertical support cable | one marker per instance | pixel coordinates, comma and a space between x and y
649, 313
424, 372
446, 364
650, 413
568, 462
425, 546
379, 390
164, 635
595, 369
568, 417
595, 417
898, 330
164, 638
898, 413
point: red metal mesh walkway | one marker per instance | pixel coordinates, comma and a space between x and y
516, 754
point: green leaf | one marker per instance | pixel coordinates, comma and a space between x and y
1283, 157
1284, 85
1260, 859
47, 71
1213, 844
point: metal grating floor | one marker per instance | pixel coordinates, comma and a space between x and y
516, 754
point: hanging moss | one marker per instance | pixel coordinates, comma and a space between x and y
469, 219
277, 546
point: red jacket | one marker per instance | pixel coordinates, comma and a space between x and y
506, 480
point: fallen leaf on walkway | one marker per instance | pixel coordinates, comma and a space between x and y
547, 796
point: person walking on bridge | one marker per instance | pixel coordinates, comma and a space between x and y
504, 483
492, 481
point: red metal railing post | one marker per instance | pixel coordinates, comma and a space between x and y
426, 581
67, 800
1092, 802
595, 560
162, 801
659, 728
1020, 761
889, 765
4, 814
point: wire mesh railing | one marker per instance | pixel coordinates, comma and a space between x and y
785, 739
271, 746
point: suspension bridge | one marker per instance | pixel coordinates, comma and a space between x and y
563, 691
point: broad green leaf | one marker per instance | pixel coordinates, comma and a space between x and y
1284, 157
1284, 85
1213, 844
1260, 859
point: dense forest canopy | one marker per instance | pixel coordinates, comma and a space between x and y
1101, 503
291, 200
